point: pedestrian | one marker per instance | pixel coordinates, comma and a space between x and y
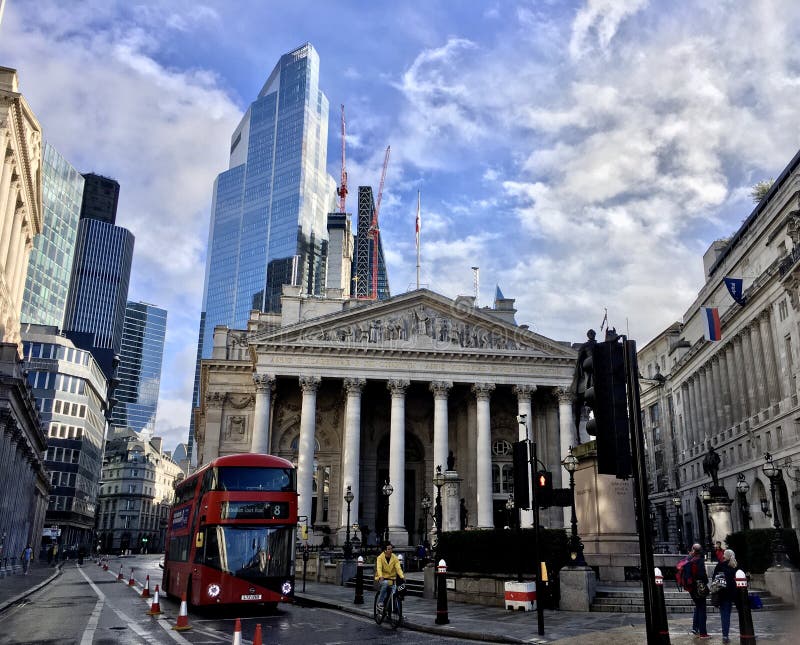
723, 584
698, 591
718, 551
27, 556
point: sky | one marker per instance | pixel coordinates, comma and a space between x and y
583, 154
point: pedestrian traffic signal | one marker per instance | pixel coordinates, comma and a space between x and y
304, 532
521, 475
607, 398
544, 488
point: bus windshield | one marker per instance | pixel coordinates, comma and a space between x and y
264, 479
250, 552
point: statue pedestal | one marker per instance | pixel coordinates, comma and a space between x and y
451, 497
578, 588
719, 512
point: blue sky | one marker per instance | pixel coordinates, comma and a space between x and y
583, 154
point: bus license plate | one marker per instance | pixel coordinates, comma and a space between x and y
252, 596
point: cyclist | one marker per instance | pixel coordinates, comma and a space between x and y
387, 570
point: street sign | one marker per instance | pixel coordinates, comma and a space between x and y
51, 532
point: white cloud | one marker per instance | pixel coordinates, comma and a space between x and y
601, 19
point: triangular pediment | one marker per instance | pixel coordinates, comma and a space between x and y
418, 320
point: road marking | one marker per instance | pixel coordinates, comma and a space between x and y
91, 626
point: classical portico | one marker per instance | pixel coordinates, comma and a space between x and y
365, 394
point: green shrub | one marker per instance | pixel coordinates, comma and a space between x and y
503, 551
753, 548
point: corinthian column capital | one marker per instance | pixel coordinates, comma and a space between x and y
483, 391
354, 385
523, 391
440, 389
310, 384
397, 386
264, 382
564, 395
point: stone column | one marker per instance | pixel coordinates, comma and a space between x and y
697, 426
565, 427
5, 177
741, 379
719, 512
483, 393
352, 446
758, 363
213, 429
397, 462
748, 370
524, 406
305, 448
12, 255
707, 403
687, 419
773, 382
440, 391
716, 382
261, 440
8, 220
727, 413
19, 268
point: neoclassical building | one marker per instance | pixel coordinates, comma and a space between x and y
360, 393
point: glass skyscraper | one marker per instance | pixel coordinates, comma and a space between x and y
269, 209
47, 283
139, 371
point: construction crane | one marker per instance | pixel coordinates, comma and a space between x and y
374, 229
342, 190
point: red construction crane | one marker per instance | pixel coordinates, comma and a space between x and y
342, 190
375, 230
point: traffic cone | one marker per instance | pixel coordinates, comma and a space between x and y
131, 582
183, 619
146, 590
155, 607
105, 565
237, 633
121, 575
257, 636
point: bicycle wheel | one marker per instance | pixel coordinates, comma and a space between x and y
378, 615
396, 615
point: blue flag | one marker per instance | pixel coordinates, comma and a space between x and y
735, 288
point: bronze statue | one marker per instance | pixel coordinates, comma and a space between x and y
581, 381
711, 465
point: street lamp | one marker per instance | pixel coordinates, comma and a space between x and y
570, 464
348, 547
510, 508
438, 481
705, 496
355, 542
676, 501
772, 471
742, 488
426, 508
387, 489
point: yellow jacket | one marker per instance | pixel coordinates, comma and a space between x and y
389, 570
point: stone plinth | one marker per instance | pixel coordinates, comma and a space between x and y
451, 496
784, 582
578, 588
719, 512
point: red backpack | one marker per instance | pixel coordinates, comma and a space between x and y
684, 574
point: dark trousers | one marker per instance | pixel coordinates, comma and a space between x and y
699, 615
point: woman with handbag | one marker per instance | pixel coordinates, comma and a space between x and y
699, 592
723, 585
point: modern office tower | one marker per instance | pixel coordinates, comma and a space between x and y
23, 497
47, 284
139, 371
70, 391
269, 209
100, 198
136, 495
98, 290
364, 251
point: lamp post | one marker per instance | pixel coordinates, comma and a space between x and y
426, 508
510, 509
705, 496
742, 488
438, 481
676, 502
570, 464
387, 490
348, 547
772, 471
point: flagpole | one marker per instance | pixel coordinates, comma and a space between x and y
418, 200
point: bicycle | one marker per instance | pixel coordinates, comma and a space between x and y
392, 608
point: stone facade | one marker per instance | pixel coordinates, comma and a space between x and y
363, 393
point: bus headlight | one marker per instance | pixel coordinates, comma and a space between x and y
213, 590
286, 588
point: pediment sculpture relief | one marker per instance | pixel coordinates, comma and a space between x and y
240, 401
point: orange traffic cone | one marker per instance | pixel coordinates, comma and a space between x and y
237, 633
146, 590
121, 575
183, 619
257, 636
131, 582
155, 607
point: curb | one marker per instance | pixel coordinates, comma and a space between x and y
7, 603
316, 601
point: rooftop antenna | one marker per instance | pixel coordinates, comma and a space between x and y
476, 282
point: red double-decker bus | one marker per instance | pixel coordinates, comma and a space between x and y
231, 533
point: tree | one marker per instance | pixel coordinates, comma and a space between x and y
761, 189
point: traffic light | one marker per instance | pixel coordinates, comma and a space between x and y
544, 488
304, 531
607, 398
521, 474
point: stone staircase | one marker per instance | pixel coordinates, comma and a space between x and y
629, 600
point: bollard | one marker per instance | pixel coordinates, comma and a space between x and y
747, 634
441, 596
660, 610
359, 599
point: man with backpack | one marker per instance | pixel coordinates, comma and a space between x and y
691, 576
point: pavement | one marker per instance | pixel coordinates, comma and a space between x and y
487, 624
